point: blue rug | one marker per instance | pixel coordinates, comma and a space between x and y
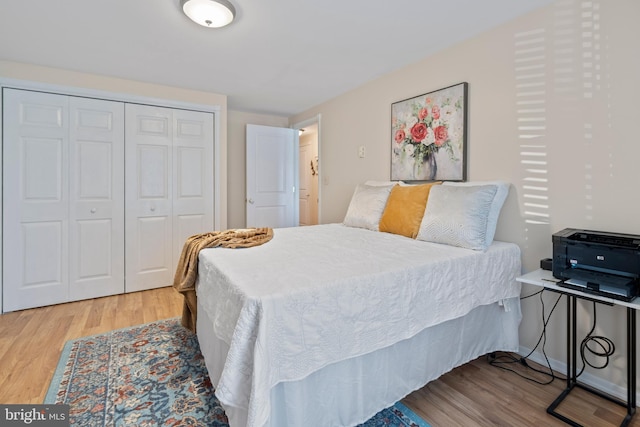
152, 375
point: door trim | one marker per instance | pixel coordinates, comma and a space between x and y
307, 122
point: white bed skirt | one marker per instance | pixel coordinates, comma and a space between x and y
349, 392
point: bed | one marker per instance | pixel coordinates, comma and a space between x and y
327, 325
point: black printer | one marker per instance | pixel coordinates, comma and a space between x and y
597, 262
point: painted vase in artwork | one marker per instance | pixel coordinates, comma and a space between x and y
425, 169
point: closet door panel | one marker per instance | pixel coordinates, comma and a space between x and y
153, 245
93, 247
35, 199
190, 163
41, 161
41, 244
193, 169
97, 198
148, 189
153, 175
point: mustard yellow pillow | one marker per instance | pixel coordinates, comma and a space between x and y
405, 208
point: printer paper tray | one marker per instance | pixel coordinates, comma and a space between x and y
624, 294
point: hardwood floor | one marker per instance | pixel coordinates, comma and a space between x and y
475, 394
31, 340
478, 394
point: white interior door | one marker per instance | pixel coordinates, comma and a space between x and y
272, 173
35, 199
193, 169
96, 217
148, 189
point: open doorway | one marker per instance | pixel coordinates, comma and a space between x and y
309, 171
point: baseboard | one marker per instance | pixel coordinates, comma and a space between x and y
586, 378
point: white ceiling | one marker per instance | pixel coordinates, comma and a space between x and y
278, 57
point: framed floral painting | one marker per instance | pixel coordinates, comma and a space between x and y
429, 136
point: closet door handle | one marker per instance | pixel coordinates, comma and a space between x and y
152, 208
93, 210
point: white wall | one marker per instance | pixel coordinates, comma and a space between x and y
577, 61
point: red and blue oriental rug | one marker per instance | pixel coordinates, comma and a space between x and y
152, 375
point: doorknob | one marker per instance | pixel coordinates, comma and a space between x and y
93, 210
250, 201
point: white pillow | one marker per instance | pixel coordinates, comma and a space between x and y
502, 192
366, 206
457, 216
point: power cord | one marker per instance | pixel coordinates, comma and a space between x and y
504, 360
604, 347
607, 347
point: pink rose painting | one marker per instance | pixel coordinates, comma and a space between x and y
429, 136
419, 131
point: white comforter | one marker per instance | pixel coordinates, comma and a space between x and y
316, 295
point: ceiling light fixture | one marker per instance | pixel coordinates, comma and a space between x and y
209, 13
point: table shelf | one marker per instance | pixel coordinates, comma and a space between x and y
545, 279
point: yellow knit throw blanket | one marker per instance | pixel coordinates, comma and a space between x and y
187, 270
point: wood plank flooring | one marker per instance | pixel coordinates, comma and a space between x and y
475, 394
31, 340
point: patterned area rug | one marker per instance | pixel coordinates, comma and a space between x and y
152, 375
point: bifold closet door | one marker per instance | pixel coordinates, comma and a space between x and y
193, 171
169, 189
62, 198
96, 215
